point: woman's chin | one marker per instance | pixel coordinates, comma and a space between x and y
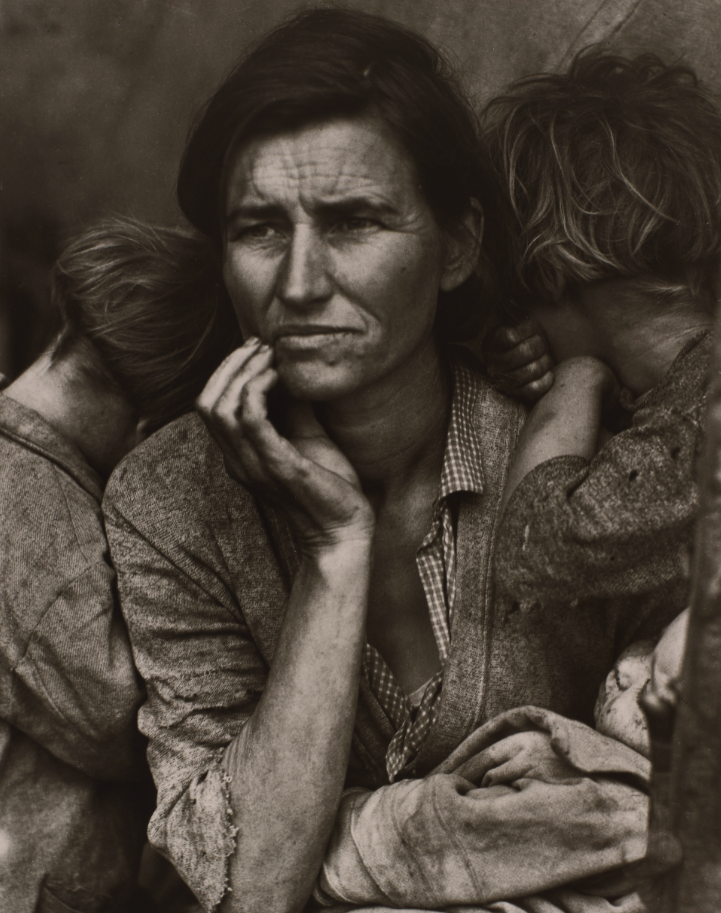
315, 381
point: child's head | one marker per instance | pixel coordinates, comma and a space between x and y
613, 171
146, 311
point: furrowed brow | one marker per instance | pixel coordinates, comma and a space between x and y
349, 205
253, 211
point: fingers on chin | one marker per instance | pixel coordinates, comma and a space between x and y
237, 369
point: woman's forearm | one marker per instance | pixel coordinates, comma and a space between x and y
288, 765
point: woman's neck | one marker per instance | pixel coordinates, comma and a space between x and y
394, 432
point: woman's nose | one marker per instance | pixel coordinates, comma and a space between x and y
304, 278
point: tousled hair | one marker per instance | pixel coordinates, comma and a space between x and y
613, 169
146, 309
331, 62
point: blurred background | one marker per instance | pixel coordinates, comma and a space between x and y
96, 97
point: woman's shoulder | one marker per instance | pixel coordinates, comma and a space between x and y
177, 471
471, 373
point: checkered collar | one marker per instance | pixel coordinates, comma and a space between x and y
462, 464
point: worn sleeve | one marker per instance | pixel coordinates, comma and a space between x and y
203, 676
534, 803
619, 525
75, 690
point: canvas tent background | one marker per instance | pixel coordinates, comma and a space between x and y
96, 99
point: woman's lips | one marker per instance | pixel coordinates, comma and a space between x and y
308, 338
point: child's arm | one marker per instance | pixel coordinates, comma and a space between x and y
617, 525
566, 421
518, 360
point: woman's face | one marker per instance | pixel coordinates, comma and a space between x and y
332, 255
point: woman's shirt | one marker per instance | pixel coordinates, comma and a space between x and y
436, 561
204, 573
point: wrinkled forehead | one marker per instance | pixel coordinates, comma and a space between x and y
325, 162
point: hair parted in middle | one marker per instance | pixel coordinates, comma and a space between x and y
147, 310
613, 169
328, 63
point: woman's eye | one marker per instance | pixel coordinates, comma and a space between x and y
261, 231
356, 223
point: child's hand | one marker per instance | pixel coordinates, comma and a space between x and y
518, 360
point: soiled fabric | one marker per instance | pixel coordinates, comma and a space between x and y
204, 572
620, 525
553, 902
528, 803
72, 813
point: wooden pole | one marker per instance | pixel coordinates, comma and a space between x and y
686, 802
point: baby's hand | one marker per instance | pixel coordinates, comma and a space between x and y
668, 660
518, 360
660, 697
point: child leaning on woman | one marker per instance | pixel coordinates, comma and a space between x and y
145, 320
613, 173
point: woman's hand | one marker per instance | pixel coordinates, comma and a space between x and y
304, 474
518, 360
522, 756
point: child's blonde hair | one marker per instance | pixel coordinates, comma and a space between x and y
612, 169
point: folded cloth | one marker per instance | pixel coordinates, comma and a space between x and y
556, 902
529, 803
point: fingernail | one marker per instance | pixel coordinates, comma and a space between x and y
265, 348
252, 341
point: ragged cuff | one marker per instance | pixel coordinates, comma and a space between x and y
198, 835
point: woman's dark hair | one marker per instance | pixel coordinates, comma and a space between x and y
148, 312
613, 169
339, 63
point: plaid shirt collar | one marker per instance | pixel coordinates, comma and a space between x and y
462, 468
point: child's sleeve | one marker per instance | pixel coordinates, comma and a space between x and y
618, 525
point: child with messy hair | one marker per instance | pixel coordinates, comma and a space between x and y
145, 320
613, 173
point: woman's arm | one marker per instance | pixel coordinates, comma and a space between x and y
288, 765
527, 803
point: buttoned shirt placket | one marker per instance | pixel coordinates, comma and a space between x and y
436, 562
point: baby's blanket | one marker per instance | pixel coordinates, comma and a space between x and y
530, 806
